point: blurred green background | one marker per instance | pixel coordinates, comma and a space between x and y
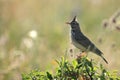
33, 33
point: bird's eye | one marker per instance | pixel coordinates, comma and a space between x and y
73, 23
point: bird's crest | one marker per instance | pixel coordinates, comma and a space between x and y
74, 19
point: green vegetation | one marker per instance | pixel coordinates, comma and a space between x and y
79, 69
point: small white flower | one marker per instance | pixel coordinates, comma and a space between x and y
33, 33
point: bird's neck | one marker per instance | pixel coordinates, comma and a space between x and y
76, 30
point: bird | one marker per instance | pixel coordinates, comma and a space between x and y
80, 41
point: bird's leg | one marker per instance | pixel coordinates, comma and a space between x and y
84, 53
88, 49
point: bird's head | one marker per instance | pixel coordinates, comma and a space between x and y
74, 24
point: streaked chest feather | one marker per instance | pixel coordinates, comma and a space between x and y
75, 43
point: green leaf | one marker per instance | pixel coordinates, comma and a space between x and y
74, 63
49, 76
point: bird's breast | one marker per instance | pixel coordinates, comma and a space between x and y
76, 44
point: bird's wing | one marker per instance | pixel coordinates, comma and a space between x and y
84, 41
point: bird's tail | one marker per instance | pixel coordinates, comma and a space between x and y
104, 59
98, 52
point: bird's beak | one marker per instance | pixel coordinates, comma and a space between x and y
67, 22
